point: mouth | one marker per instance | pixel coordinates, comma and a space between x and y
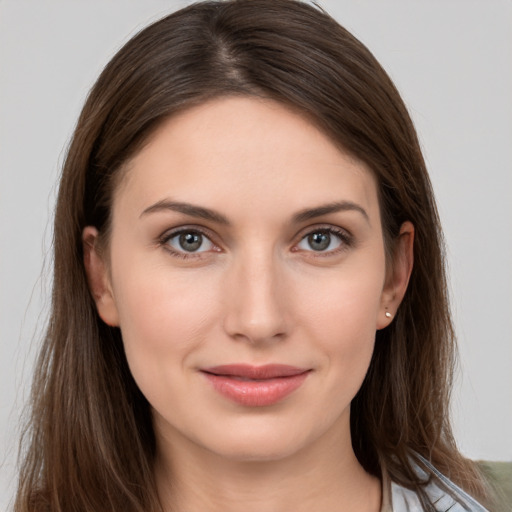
255, 386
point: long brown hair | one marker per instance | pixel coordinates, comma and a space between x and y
91, 443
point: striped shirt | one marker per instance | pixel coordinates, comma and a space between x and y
443, 493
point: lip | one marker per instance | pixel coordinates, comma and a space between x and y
255, 386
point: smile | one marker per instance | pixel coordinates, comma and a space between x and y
255, 386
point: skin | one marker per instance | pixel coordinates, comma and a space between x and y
255, 292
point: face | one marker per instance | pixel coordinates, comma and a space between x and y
246, 271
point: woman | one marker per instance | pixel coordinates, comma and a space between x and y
249, 307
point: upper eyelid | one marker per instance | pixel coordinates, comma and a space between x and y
172, 232
323, 227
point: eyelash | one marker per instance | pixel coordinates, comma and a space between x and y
345, 238
166, 237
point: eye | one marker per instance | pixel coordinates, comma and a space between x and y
189, 241
323, 240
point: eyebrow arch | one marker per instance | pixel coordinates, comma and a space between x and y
211, 215
339, 206
187, 209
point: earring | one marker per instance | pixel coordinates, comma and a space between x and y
388, 314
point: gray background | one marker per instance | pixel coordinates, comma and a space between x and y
452, 61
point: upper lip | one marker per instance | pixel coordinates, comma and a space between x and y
268, 371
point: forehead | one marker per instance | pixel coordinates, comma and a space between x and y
245, 152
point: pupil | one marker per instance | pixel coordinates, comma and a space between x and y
191, 241
319, 241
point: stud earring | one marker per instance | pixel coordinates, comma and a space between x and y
388, 314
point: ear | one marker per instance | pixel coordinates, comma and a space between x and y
98, 277
398, 275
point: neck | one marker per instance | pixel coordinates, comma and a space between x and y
326, 476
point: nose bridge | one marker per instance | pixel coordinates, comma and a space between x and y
256, 306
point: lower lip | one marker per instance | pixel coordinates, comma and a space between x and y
256, 393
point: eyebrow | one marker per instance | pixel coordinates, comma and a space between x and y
211, 215
339, 206
187, 209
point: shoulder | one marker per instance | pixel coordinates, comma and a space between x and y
442, 492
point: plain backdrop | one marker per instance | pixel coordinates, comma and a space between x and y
452, 62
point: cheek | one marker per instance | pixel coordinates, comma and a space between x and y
342, 317
164, 316
344, 301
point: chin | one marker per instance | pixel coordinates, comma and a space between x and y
264, 452
260, 442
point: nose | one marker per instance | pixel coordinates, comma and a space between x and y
256, 300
